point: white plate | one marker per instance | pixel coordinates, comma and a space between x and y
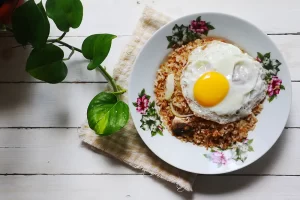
187, 156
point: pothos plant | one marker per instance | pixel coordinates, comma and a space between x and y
30, 26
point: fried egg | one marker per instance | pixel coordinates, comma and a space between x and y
221, 83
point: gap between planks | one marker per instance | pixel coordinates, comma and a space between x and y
64, 82
83, 36
104, 81
76, 82
136, 174
8, 35
53, 127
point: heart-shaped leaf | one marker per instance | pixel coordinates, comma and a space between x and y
96, 48
47, 64
106, 114
66, 14
30, 24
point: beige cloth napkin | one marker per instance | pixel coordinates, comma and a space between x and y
126, 145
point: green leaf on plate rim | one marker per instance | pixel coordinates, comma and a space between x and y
271, 98
260, 56
250, 141
267, 55
250, 148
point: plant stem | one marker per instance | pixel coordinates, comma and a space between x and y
71, 54
108, 78
62, 36
120, 92
65, 44
9, 29
102, 70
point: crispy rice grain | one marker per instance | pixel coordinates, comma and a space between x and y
206, 133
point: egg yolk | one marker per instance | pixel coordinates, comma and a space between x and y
210, 89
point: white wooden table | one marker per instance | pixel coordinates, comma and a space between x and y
41, 156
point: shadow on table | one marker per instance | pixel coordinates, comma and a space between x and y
13, 58
231, 182
238, 180
12, 71
111, 160
226, 183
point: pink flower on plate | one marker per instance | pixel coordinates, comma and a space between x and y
274, 86
142, 104
219, 158
198, 27
258, 59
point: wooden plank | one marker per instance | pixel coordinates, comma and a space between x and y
60, 151
146, 188
45, 105
52, 151
276, 160
117, 17
28, 151
13, 61
64, 105
120, 16
289, 45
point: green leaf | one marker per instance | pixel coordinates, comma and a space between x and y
205, 155
198, 19
272, 98
160, 133
47, 64
238, 152
243, 160
30, 24
282, 87
96, 48
250, 148
175, 27
260, 56
169, 38
66, 14
268, 77
153, 133
278, 64
134, 104
42, 9
142, 93
210, 27
106, 114
267, 55
250, 141
170, 45
152, 104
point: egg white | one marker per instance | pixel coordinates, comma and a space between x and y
245, 76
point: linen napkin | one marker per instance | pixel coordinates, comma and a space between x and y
126, 145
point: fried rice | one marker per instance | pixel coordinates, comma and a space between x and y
205, 133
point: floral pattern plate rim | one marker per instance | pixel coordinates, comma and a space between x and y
187, 156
